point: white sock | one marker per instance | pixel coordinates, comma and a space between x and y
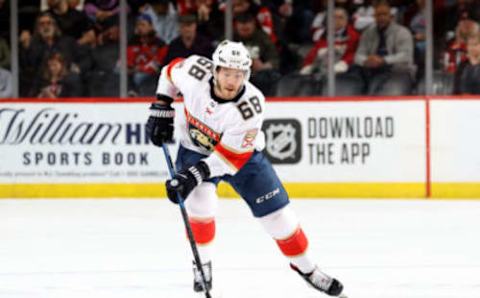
303, 262
205, 252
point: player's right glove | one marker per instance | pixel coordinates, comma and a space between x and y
160, 123
186, 180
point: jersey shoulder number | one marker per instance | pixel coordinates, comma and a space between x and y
199, 67
250, 106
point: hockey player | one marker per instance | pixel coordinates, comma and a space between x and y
221, 139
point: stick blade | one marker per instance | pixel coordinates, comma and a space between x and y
214, 293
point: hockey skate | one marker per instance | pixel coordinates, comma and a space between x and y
197, 277
320, 281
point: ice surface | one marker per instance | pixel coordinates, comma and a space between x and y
137, 249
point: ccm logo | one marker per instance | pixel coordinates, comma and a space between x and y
267, 196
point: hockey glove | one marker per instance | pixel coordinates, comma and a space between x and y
160, 123
186, 180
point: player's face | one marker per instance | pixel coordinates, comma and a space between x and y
229, 81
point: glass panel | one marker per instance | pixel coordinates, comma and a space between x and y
28, 45
255, 28
102, 74
5, 60
291, 35
69, 54
414, 17
161, 32
152, 27
457, 47
350, 21
374, 52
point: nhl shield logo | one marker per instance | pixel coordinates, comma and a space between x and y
283, 140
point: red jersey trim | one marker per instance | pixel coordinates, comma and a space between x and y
235, 159
171, 65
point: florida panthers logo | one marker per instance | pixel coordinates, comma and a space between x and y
200, 134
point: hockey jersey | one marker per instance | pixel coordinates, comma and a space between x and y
228, 131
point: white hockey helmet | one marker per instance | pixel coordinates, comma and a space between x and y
234, 55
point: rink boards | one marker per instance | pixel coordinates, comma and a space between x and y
410, 147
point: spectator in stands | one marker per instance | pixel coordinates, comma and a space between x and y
103, 76
385, 55
361, 12
146, 55
204, 9
262, 14
451, 12
292, 19
56, 81
457, 48
72, 22
6, 89
265, 59
164, 19
469, 82
4, 54
190, 41
210, 19
34, 50
100, 10
346, 43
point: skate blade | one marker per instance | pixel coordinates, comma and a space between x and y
342, 296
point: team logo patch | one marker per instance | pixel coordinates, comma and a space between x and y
248, 140
200, 139
200, 134
283, 140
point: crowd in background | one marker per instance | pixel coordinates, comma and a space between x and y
70, 48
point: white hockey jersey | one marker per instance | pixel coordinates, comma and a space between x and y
228, 131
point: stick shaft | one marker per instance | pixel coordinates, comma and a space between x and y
186, 222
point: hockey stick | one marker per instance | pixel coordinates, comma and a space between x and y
191, 239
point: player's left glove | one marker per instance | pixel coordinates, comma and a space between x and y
186, 180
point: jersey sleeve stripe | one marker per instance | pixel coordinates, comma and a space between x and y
171, 65
236, 159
